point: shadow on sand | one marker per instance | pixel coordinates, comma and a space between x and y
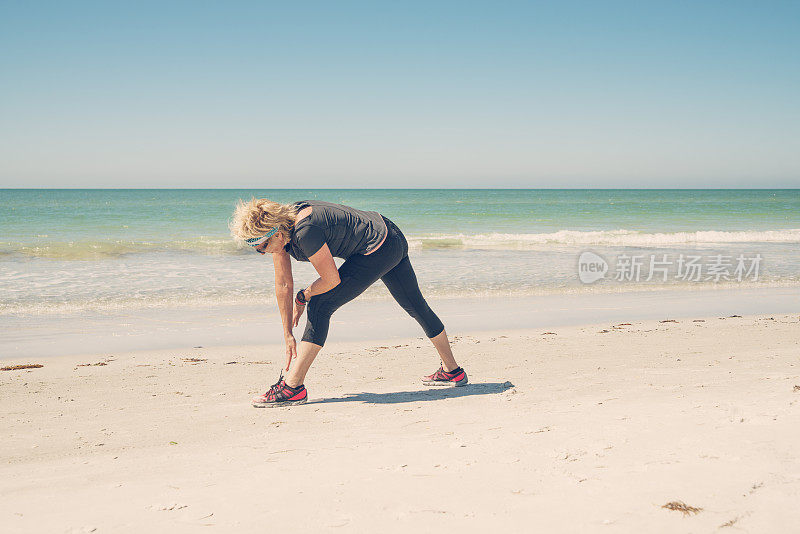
431, 394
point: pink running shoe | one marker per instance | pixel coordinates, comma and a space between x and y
456, 377
281, 395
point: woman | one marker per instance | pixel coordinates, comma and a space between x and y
315, 231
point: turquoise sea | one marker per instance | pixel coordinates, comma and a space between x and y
69, 251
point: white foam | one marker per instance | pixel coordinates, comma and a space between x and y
620, 237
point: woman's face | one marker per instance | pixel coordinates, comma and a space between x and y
273, 244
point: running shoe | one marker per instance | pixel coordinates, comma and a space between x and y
280, 394
456, 377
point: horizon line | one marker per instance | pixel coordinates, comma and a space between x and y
401, 188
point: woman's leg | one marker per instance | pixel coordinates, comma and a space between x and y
306, 352
442, 345
356, 274
402, 284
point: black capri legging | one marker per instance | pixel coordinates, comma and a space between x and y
390, 263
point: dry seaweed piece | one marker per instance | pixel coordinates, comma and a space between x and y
668, 321
91, 364
679, 506
195, 360
23, 366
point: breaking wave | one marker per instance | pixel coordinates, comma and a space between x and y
215, 246
623, 238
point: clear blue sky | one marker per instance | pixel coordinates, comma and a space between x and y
417, 94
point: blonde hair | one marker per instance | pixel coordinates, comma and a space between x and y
258, 216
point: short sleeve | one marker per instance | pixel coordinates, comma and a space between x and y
310, 239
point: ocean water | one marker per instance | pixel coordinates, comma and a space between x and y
67, 252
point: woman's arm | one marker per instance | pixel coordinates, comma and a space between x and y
311, 240
322, 260
284, 288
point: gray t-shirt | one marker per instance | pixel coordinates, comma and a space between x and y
346, 230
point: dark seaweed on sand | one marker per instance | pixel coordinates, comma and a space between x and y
679, 506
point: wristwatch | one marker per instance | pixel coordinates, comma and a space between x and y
300, 298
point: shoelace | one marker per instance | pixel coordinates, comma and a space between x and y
444, 374
272, 393
439, 373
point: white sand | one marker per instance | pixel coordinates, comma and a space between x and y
580, 431
366, 320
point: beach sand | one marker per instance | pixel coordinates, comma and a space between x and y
591, 428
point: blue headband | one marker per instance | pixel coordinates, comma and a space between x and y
255, 241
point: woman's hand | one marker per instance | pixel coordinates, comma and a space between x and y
291, 349
298, 312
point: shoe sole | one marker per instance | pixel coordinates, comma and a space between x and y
445, 383
277, 404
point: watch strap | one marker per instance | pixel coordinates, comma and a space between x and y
300, 298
